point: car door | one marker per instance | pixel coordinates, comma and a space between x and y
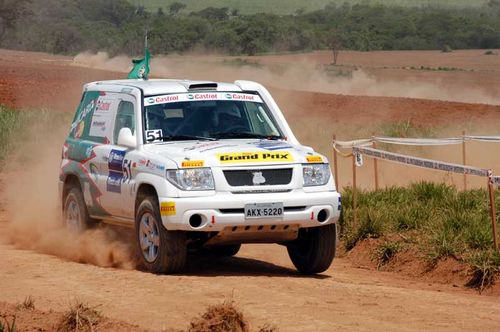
116, 179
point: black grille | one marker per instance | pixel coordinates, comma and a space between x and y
272, 177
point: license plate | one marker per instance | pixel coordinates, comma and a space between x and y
264, 210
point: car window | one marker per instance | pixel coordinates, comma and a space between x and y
124, 118
210, 118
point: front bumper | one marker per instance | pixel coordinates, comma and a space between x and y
226, 209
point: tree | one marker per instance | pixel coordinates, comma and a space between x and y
335, 45
10, 12
176, 7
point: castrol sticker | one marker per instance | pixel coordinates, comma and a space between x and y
201, 96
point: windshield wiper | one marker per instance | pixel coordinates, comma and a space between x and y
183, 138
245, 134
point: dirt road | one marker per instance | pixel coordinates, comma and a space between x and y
261, 279
262, 282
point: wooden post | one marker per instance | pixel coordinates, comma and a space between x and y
493, 212
464, 159
375, 167
354, 190
335, 165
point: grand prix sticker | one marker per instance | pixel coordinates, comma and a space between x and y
167, 209
175, 98
252, 157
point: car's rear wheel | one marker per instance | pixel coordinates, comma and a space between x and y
314, 249
161, 251
75, 215
226, 250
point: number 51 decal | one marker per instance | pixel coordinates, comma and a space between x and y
153, 135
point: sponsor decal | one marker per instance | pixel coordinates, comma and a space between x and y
103, 105
154, 166
114, 182
116, 171
173, 98
83, 113
252, 157
192, 163
314, 159
115, 160
80, 128
94, 171
167, 209
272, 145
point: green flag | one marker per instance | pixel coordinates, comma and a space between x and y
141, 67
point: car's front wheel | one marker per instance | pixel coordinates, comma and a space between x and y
314, 249
161, 251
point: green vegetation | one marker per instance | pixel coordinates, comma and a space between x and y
287, 7
6, 326
14, 121
406, 129
72, 26
386, 251
436, 219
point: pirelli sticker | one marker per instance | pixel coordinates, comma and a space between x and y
167, 209
192, 163
314, 159
253, 157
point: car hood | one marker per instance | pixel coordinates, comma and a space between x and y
233, 152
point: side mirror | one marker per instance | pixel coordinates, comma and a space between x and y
125, 138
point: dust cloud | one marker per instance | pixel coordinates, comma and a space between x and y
33, 212
302, 75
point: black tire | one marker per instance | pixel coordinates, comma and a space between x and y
75, 214
314, 249
225, 251
170, 249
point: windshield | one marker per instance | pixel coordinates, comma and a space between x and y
210, 116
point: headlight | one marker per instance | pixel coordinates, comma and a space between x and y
191, 179
316, 174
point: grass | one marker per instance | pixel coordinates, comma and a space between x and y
27, 304
6, 326
14, 123
224, 317
284, 7
439, 220
79, 317
406, 129
386, 252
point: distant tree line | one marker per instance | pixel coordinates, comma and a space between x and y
117, 26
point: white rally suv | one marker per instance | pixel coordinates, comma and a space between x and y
196, 165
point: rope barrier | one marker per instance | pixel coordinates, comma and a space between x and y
421, 162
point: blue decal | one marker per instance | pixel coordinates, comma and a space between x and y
114, 183
116, 160
272, 145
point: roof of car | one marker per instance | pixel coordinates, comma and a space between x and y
161, 86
